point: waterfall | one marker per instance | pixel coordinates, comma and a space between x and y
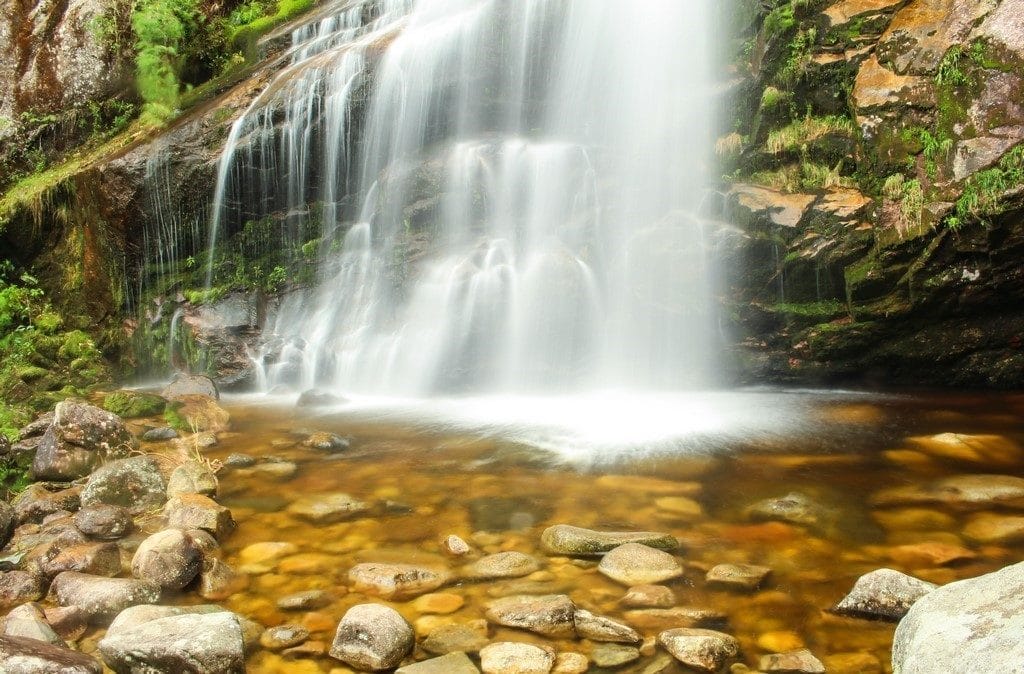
503, 194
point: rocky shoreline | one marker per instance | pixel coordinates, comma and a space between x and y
104, 568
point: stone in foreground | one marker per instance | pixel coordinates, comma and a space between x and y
102, 598
884, 594
372, 637
453, 663
978, 621
801, 661
198, 644
550, 616
637, 564
19, 655
506, 657
564, 539
395, 581
703, 650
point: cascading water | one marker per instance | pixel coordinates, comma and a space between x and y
506, 193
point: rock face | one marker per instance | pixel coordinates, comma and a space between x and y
80, 438
372, 637
184, 385
199, 644
883, 595
976, 621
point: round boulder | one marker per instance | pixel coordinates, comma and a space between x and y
372, 637
168, 559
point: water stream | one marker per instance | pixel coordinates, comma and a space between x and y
506, 194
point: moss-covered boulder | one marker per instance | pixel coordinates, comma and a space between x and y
134, 404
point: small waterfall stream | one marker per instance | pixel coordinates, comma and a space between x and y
504, 192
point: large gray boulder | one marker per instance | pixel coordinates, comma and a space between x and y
190, 385
209, 643
81, 438
969, 626
134, 483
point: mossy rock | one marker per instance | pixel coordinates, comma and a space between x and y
133, 404
48, 322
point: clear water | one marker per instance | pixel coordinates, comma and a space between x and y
491, 485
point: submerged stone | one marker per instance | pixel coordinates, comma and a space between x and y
501, 565
636, 564
505, 657
453, 663
395, 581
328, 508
564, 539
800, 661
738, 576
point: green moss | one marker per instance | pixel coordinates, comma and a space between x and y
77, 345
244, 36
982, 195
807, 130
206, 295
132, 404
175, 420
827, 308
48, 322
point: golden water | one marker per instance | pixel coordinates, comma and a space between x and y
499, 496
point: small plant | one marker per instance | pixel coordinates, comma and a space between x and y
772, 98
804, 131
983, 192
729, 145
275, 279
908, 195
799, 57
